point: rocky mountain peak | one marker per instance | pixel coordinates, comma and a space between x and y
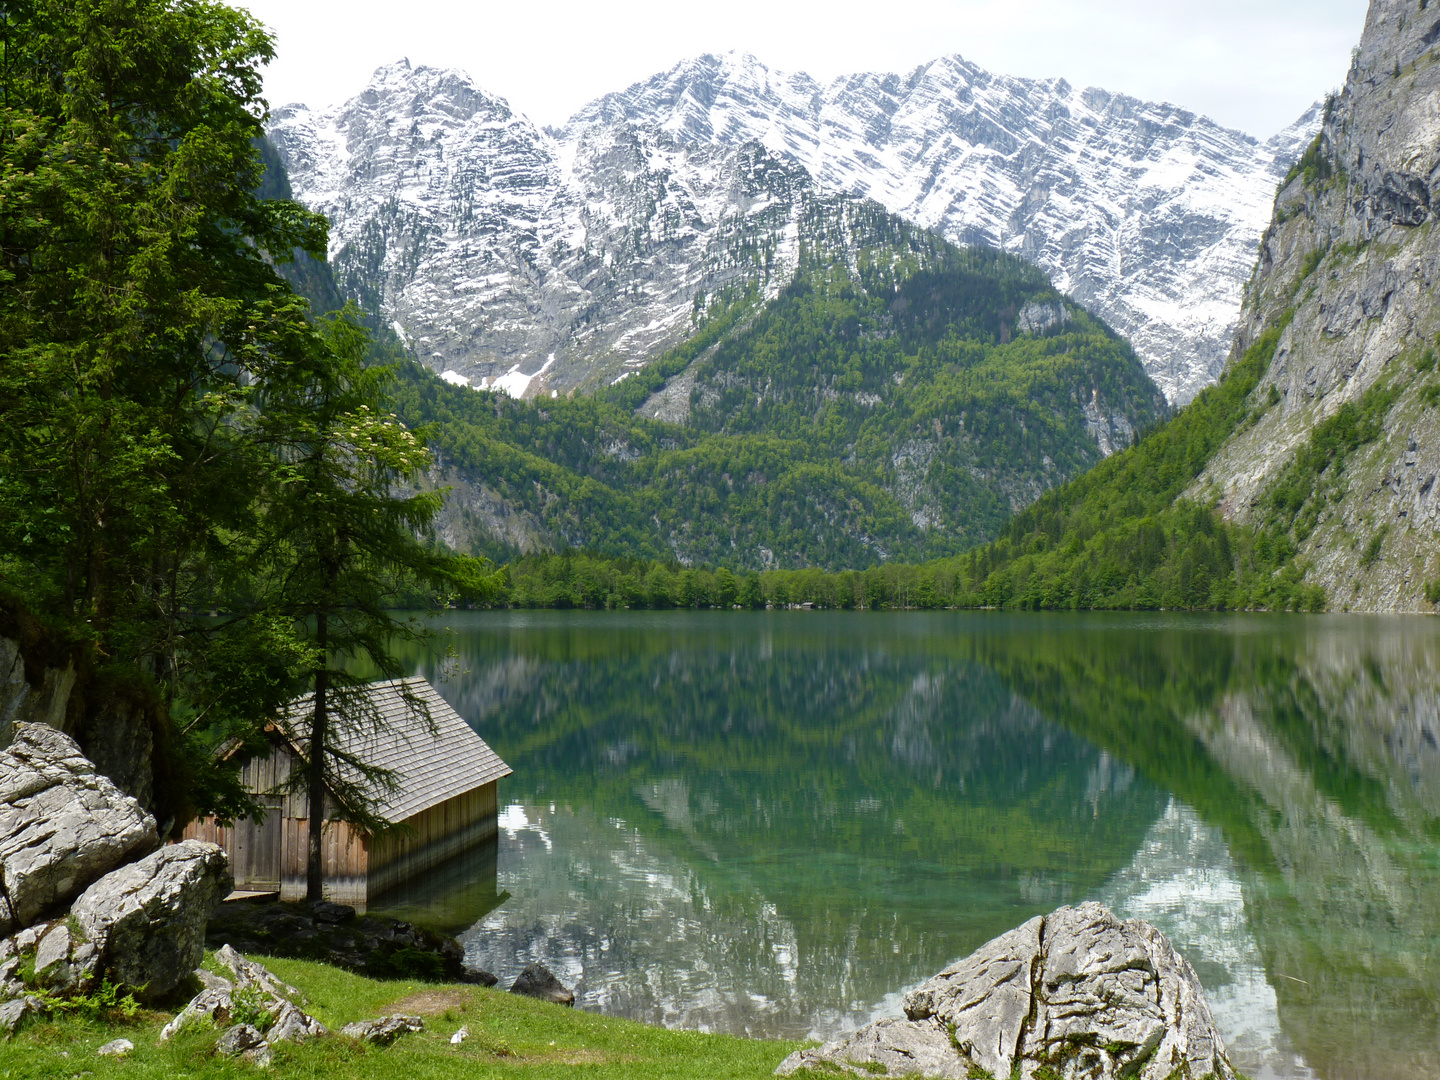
500, 249
1147, 212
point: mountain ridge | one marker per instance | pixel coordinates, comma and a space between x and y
986, 158
546, 261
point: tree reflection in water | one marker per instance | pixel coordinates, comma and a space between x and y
774, 823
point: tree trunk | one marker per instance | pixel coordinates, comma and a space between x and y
314, 867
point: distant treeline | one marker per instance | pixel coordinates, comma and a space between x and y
587, 580
1168, 576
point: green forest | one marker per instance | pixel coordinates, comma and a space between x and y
884, 411
1120, 536
207, 503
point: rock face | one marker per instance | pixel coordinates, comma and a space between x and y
62, 825
535, 261
1347, 275
1076, 993
47, 678
43, 701
1146, 213
147, 920
512, 261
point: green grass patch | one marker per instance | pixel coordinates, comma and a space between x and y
509, 1037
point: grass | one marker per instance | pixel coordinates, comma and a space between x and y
510, 1037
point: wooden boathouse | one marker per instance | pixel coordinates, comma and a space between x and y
445, 801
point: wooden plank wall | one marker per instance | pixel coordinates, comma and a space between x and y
435, 835
344, 860
273, 855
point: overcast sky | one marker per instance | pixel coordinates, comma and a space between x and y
1251, 64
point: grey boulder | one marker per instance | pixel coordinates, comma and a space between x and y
247, 1042
146, 921
14, 1011
62, 825
384, 1030
116, 1048
537, 981
1076, 993
286, 1022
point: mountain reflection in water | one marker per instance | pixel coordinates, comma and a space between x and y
775, 823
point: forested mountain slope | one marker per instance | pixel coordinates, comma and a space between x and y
1345, 460
1306, 477
901, 398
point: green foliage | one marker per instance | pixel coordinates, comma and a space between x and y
822, 424
104, 1004
1315, 165
1310, 265
1293, 504
249, 1005
1432, 591
1372, 549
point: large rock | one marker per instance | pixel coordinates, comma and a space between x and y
147, 920
1076, 993
62, 825
538, 981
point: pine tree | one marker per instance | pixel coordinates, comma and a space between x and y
342, 542
139, 308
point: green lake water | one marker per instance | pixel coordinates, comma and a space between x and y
776, 823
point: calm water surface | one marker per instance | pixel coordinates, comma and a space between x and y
776, 823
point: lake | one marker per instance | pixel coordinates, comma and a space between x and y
774, 823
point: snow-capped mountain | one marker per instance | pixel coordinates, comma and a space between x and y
508, 258
539, 261
1146, 213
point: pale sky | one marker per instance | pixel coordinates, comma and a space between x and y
1251, 64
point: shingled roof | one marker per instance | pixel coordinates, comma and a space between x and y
432, 762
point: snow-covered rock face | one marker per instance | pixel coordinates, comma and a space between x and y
513, 260
493, 245
1148, 214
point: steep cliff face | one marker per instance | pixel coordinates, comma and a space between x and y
46, 680
1351, 260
